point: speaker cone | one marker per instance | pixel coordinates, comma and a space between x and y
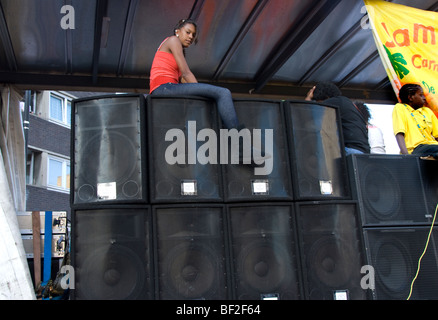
393, 267
330, 262
110, 157
264, 266
112, 272
382, 194
190, 272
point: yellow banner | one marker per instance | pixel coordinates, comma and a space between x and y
406, 39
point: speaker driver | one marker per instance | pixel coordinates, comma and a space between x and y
383, 195
393, 267
330, 262
110, 156
112, 273
264, 265
190, 272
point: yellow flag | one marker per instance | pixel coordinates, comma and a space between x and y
406, 39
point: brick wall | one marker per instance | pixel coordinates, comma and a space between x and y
41, 199
46, 135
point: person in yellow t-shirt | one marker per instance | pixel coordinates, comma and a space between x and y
415, 125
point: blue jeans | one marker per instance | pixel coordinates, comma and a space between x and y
349, 151
222, 96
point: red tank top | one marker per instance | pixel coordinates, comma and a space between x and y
164, 69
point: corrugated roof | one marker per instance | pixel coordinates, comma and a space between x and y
269, 47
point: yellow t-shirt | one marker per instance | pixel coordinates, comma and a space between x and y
419, 126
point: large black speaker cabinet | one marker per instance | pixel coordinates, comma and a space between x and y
190, 253
429, 176
264, 251
183, 142
111, 254
265, 130
394, 254
317, 152
108, 137
389, 189
332, 251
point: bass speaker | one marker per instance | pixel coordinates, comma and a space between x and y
332, 251
183, 142
319, 169
429, 176
190, 252
112, 254
389, 189
395, 253
264, 123
108, 165
264, 251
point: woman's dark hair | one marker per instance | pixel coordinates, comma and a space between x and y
182, 23
363, 109
408, 90
324, 90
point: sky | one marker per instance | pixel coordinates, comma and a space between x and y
382, 117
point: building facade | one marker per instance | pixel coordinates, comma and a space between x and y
48, 152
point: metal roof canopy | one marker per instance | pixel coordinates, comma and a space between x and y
264, 47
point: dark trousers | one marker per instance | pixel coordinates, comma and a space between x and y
426, 150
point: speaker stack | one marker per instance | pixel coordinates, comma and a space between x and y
160, 213
203, 249
328, 228
397, 196
111, 218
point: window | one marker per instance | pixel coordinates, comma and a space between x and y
33, 167
58, 173
30, 163
60, 109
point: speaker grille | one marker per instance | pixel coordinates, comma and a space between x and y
394, 254
111, 254
107, 157
166, 179
190, 253
275, 172
429, 176
319, 170
264, 251
331, 249
389, 190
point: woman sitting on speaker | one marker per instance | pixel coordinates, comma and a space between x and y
415, 125
171, 75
